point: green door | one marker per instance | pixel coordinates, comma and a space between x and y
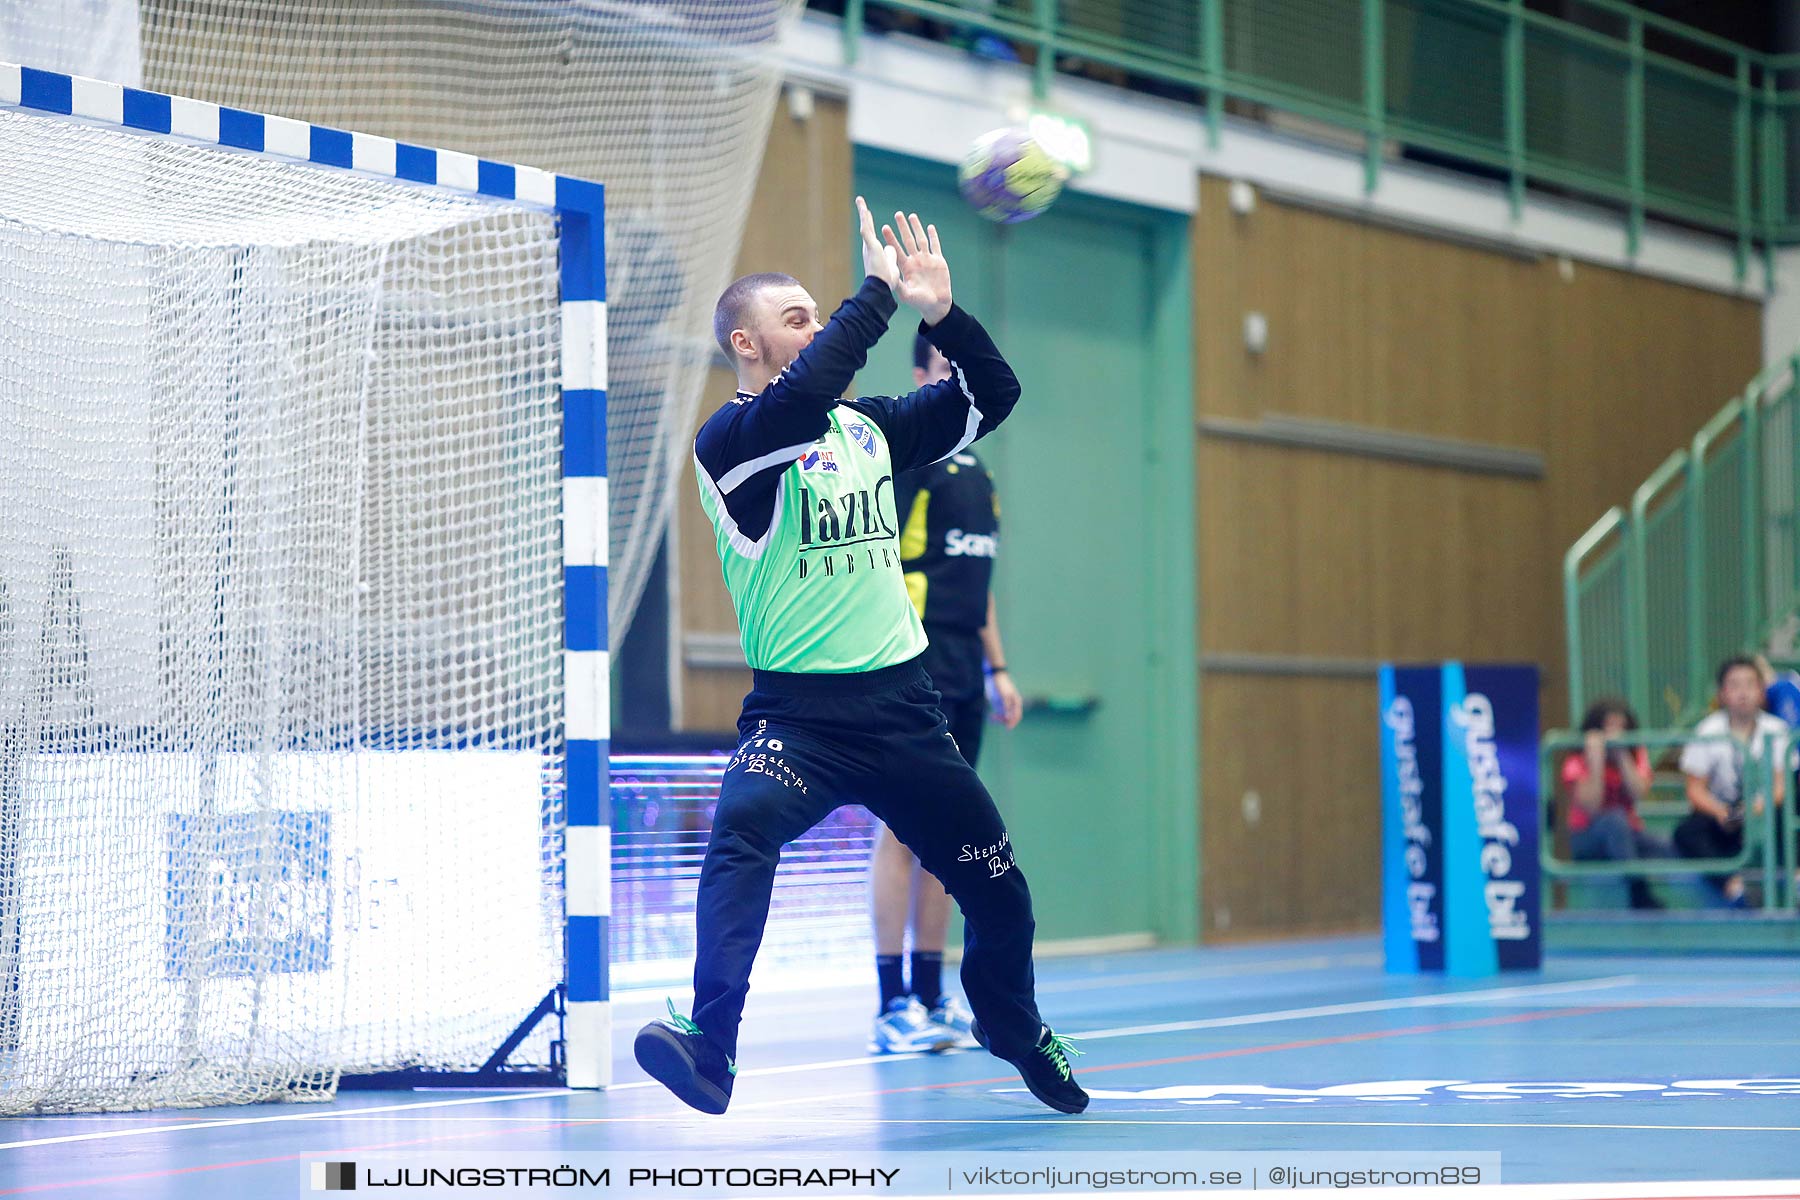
1094, 582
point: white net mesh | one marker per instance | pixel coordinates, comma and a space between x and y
667, 102
280, 623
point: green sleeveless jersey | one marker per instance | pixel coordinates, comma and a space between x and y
824, 591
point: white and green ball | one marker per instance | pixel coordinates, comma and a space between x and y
1009, 177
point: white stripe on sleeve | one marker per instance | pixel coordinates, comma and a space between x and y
974, 424
734, 478
742, 544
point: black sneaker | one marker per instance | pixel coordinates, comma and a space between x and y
678, 1056
1045, 1069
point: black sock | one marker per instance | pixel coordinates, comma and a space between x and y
887, 974
928, 976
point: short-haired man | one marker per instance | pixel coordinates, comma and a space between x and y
1717, 790
798, 484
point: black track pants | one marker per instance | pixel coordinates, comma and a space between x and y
810, 743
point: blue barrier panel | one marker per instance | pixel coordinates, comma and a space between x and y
1412, 793
1461, 890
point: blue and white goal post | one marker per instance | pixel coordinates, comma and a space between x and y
581, 1001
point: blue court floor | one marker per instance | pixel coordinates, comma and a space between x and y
1595, 1070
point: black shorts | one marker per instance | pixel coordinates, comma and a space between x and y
954, 661
967, 718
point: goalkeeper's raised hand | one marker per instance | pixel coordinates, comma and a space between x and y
878, 260
924, 275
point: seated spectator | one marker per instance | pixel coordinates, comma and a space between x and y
1716, 787
1782, 697
1604, 782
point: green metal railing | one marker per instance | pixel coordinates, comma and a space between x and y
1597, 590
1614, 104
1764, 850
1706, 562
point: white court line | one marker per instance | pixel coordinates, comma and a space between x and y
354, 1113
652, 997
797, 1068
322, 1114
1278, 966
1025, 1118
1436, 1000
1292, 1014
1289, 1014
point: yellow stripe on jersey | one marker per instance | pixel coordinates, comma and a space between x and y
912, 537
916, 583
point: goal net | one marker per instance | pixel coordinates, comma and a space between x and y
281, 692
667, 101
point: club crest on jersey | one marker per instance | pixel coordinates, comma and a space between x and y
818, 460
863, 436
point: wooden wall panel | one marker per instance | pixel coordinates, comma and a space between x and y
1292, 842
800, 222
1310, 553
1320, 554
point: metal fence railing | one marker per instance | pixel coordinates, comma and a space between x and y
1703, 566
1606, 101
1596, 597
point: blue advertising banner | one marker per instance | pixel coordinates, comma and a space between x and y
1412, 782
1497, 721
1460, 797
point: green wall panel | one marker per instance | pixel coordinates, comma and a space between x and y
1095, 576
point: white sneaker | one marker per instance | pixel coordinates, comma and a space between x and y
903, 1028
951, 1015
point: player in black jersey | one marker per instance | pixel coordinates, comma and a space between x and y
950, 526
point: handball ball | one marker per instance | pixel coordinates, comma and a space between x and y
1008, 177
